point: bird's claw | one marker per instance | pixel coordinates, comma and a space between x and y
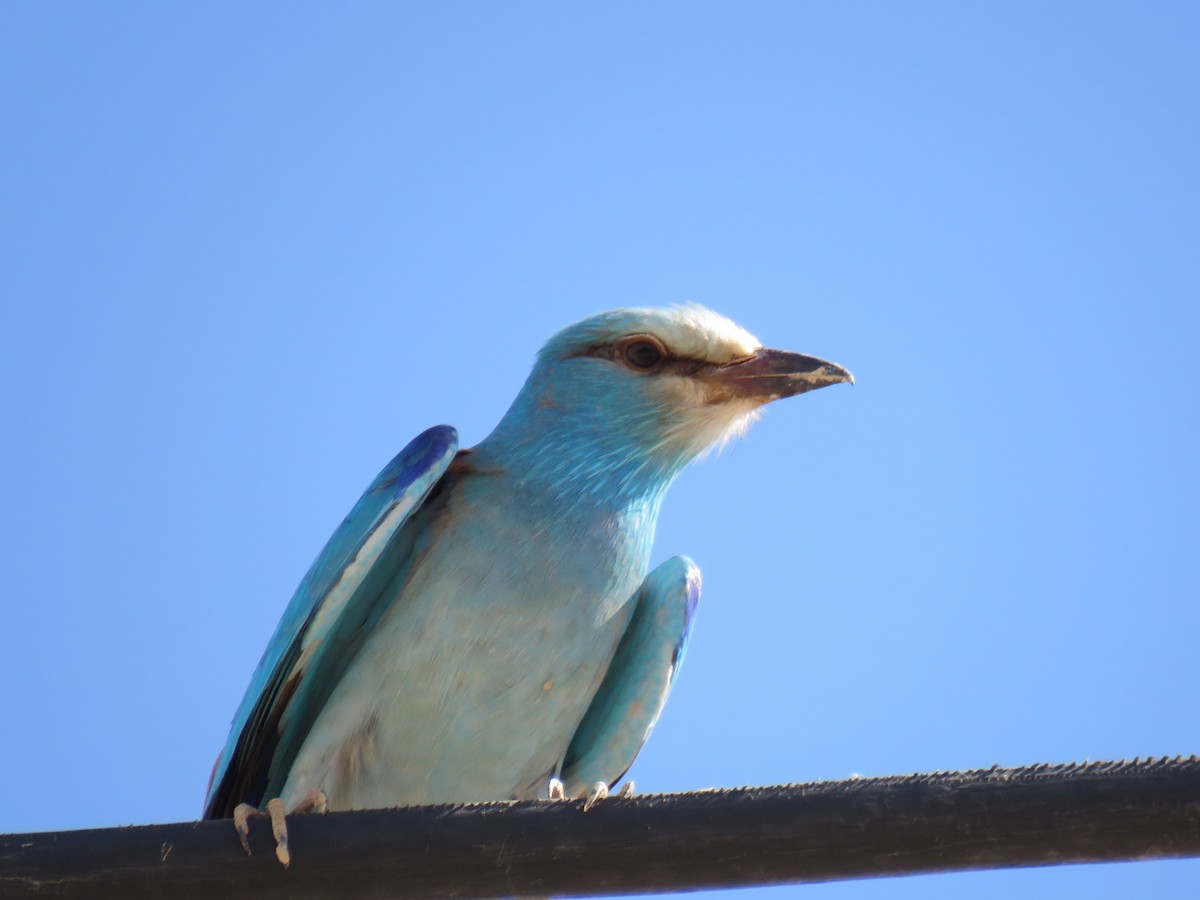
598, 792
556, 790
316, 801
277, 811
241, 815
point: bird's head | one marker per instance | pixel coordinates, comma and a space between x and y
648, 390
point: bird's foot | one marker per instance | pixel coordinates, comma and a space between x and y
598, 792
241, 824
314, 801
276, 812
556, 790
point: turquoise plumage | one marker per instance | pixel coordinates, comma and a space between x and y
483, 622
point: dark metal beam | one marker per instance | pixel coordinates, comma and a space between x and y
1039, 815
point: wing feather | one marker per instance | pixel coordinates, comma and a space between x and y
634, 691
337, 597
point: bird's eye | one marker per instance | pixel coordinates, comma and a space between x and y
643, 354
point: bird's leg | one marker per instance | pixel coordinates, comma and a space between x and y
314, 801
556, 790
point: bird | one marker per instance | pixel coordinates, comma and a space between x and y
482, 625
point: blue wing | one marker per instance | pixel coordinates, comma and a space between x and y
635, 689
315, 640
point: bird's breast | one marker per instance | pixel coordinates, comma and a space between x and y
472, 684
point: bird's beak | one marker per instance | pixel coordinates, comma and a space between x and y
771, 374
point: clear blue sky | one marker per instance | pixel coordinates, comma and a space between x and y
249, 251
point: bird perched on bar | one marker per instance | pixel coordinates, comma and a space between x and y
482, 625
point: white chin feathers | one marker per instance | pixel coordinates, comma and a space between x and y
710, 427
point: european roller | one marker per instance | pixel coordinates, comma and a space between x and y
482, 625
